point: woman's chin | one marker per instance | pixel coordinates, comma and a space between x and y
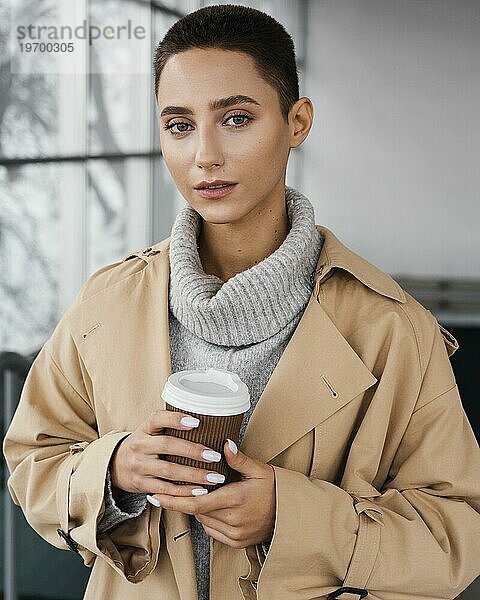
218, 215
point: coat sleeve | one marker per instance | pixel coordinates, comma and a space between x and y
419, 538
119, 505
58, 465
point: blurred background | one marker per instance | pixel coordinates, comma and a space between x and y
390, 165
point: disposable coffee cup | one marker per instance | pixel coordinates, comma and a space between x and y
219, 399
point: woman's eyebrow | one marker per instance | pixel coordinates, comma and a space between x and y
213, 105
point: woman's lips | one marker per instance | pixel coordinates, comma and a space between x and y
216, 193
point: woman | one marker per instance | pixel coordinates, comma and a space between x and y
358, 471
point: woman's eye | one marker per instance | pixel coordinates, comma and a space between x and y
182, 126
176, 124
240, 116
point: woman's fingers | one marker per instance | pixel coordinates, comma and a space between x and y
171, 471
161, 486
160, 419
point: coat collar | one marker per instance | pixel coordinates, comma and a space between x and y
333, 255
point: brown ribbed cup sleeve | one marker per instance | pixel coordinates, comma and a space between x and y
213, 432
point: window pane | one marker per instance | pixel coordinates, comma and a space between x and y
120, 82
42, 98
29, 255
106, 213
120, 216
28, 97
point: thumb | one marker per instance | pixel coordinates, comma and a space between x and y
239, 461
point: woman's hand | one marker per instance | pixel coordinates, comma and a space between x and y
238, 514
135, 465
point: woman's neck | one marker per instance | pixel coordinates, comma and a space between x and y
227, 249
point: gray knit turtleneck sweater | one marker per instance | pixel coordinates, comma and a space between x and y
242, 325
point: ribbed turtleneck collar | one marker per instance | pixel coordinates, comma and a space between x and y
252, 305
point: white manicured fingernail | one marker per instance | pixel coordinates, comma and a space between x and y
190, 421
211, 455
199, 492
233, 446
153, 501
215, 478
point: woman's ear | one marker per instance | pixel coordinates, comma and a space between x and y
300, 121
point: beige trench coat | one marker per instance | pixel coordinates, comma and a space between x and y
377, 470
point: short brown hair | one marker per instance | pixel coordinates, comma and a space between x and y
241, 29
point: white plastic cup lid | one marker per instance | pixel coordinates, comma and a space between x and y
208, 391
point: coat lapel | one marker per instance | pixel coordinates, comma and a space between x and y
317, 374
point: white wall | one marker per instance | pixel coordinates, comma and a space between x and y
392, 162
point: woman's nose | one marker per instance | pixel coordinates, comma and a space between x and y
208, 151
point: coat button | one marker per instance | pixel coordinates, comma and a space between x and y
71, 543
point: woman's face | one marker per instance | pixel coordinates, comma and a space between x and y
246, 142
